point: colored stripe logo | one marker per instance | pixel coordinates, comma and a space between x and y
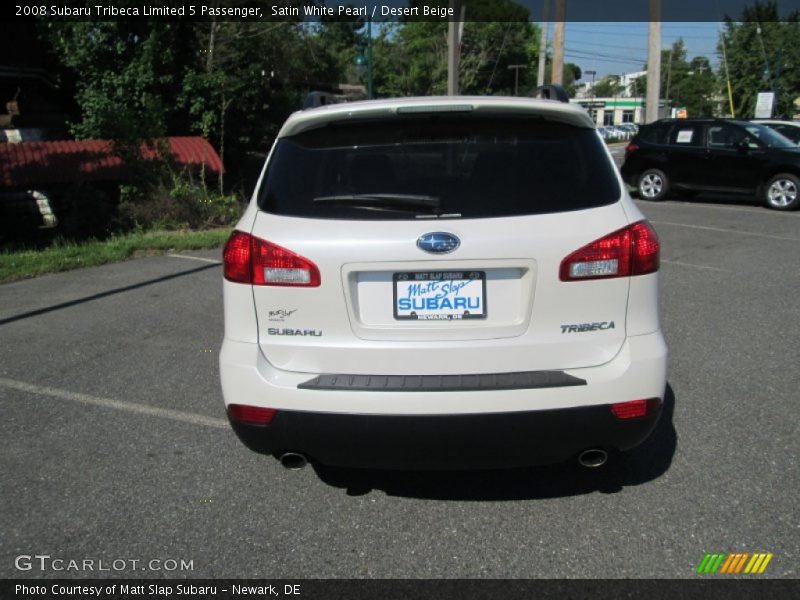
734, 563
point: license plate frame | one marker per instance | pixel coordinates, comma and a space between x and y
433, 286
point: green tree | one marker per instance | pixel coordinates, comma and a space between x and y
126, 75
249, 77
340, 38
570, 77
608, 87
690, 84
233, 82
674, 68
230, 89
411, 58
572, 74
489, 48
763, 55
696, 88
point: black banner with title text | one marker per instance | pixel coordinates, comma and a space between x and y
395, 589
389, 10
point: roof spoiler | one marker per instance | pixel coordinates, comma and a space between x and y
551, 91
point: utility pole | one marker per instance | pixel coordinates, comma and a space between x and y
727, 74
557, 75
669, 79
370, 91
592, 109
592, 73
543, 45
653, 62
453, 51
516, 76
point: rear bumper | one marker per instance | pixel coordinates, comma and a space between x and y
445, 429
492, 440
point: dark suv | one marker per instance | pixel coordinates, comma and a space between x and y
688, 156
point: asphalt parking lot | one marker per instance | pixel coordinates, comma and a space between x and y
114, 445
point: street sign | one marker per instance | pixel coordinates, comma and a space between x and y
764, 105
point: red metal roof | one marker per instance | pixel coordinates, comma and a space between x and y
35, 165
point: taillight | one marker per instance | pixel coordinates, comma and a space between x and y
252, 415
635, 408
630, 149
249, 259
236, 258
633, 250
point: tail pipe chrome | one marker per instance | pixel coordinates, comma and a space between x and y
293, 460
593, 458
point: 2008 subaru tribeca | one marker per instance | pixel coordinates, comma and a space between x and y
435, 283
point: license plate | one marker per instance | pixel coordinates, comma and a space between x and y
440, 295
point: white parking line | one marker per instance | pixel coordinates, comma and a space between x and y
760, 211
683, 264
199, 258
133, 407
721, 230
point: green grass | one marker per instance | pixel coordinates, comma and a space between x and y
63, 256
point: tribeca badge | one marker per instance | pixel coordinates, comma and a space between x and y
734, 563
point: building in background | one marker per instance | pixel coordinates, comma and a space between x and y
627, 106
614, 111
630, 83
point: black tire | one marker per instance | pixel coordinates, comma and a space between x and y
652, 184
782, 192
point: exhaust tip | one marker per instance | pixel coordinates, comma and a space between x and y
593, 458
293, 460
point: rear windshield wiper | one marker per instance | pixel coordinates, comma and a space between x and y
387, 201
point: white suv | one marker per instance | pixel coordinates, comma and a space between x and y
442, 283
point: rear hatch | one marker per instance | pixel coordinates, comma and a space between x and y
433, 243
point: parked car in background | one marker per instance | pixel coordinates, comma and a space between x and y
632, 128
688, 156
612, 134
788, 129
621, 133
442, 283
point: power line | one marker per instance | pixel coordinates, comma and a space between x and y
631, 34
602, 54
638, 63
604, 45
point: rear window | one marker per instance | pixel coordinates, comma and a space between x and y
447, 166
789, 132
767, 136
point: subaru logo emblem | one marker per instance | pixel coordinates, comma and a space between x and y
438, 242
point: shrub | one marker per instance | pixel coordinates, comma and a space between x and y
180, 204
